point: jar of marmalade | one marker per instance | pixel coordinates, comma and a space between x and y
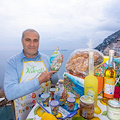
86, 107
113, 110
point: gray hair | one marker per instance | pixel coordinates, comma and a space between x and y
23, 34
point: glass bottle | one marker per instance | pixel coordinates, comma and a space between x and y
56, 60
109, 77
60, 93
91, 81
117, 89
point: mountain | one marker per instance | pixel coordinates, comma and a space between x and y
109, 42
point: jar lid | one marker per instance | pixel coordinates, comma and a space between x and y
54, 103
71, 99
114, 103
87, 99
52, 89
45, 95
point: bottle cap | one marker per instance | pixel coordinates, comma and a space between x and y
111, 52
52, 89
57, 48
71, 99
45, 95
60, 81
54, 103
87, 99
114, 103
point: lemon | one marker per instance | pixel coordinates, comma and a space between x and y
97, 110
48, 116
95, 118
103, 102
59, 115
40, 111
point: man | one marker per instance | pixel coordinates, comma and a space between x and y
27, 75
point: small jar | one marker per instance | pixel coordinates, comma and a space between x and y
52, 91
54, 105
45, 99
113, 110
70, 104
86, 107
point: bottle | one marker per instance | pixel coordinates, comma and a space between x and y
60, 93
91, 81
109, 77
117, 89
56, 60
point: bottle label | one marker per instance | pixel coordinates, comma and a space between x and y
90, 93
109, 87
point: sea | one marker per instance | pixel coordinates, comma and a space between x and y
6, 54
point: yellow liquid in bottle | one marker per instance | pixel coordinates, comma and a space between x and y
109, 82
109, 77
91, 82
91, 87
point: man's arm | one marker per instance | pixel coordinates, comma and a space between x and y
12, 88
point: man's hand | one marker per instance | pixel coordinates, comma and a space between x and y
45, 76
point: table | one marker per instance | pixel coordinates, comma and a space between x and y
99, 114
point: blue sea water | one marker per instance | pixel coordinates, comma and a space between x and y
6, 54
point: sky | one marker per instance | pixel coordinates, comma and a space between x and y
69, 24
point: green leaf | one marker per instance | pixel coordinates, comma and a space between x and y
117, 84
35, 110
104, 113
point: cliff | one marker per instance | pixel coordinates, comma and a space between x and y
109, 42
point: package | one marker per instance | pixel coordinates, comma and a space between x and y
56, 60
74, 84
78, 61
117, 66
100, 70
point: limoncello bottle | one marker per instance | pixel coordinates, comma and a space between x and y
109, 77
91, 81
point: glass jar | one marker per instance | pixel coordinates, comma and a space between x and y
70, 103
45, 99
61, 93
86, 107
113, 110
54, 105
52, 91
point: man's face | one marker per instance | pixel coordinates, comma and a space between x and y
30, 43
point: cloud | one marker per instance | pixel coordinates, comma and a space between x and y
112, 10
62, 21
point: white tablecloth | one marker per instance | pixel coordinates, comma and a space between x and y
100, 112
